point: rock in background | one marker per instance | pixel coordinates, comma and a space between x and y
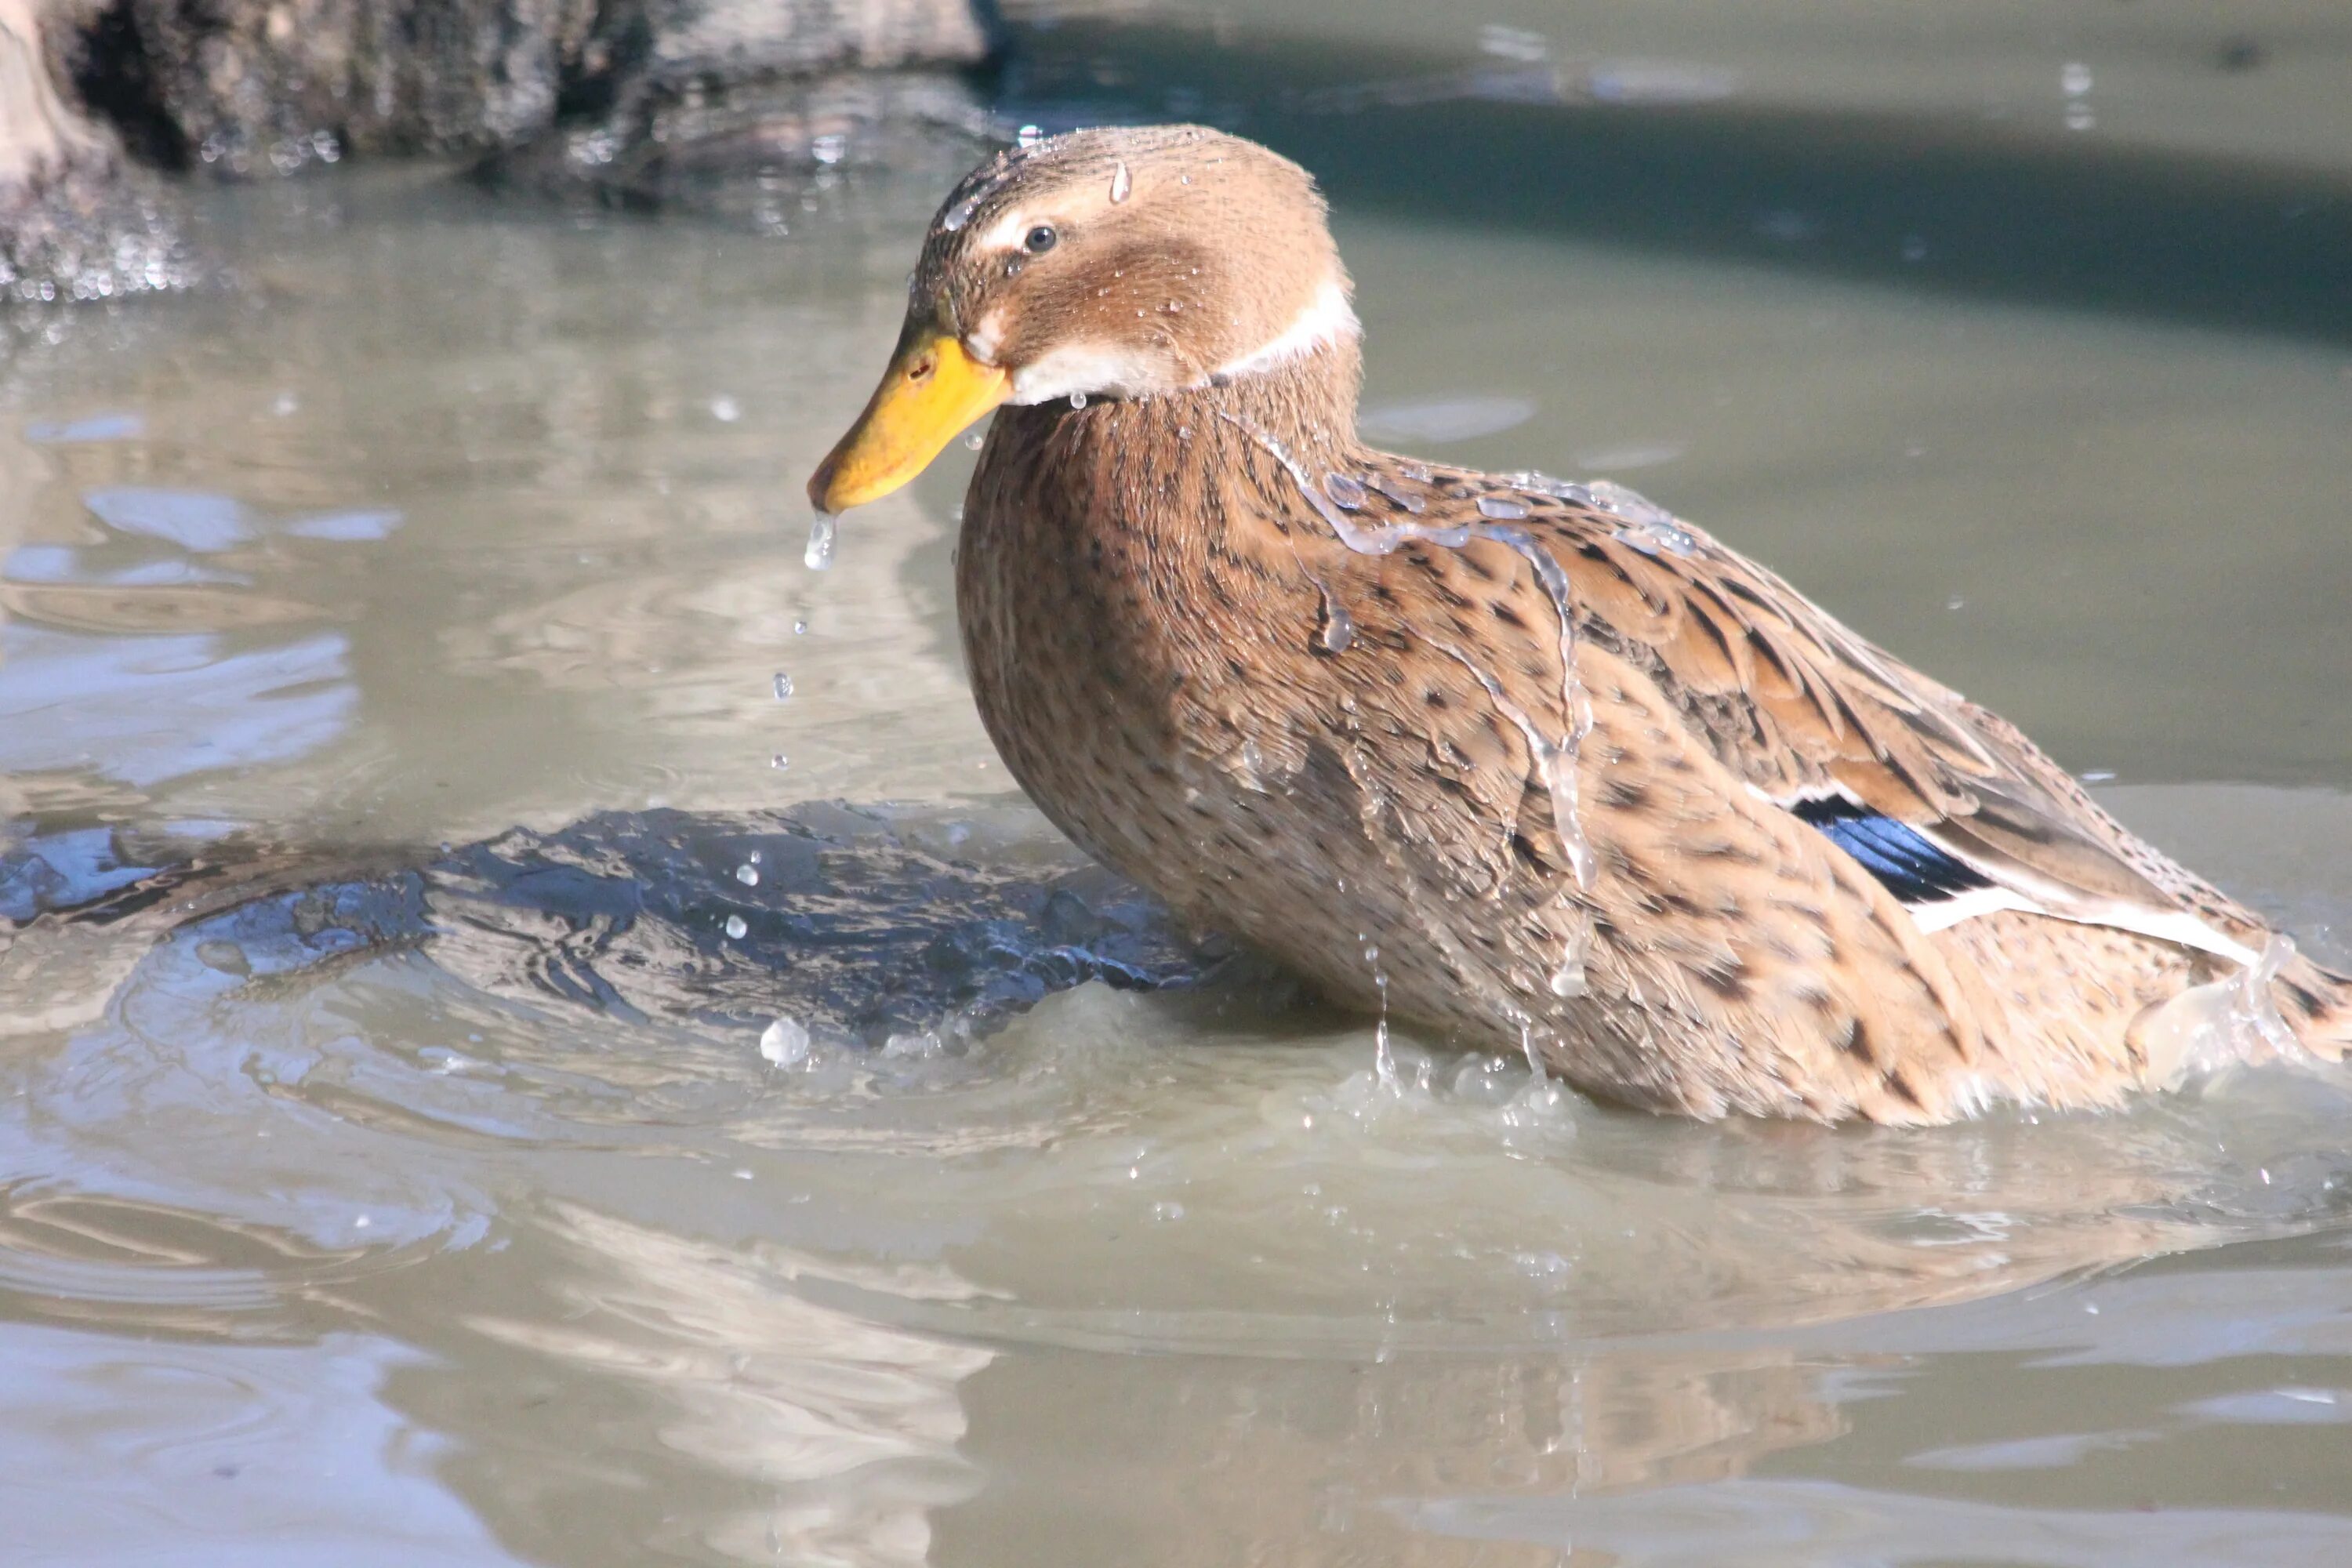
745, 153
632, 102
243, 87
76, 223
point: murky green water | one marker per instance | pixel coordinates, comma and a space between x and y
443, 1216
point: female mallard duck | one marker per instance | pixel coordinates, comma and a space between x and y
1530, 763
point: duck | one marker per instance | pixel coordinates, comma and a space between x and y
1528, 766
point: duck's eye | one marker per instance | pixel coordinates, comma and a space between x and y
1040, 239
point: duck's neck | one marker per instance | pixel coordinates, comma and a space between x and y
1116, 556
1308, 403
1305, 407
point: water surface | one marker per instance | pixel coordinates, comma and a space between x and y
439, 1205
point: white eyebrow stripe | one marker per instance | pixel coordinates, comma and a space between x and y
1006, 232
1326, 319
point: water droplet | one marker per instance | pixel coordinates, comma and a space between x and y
1167, 1211
783, 686
1653, 536
725, 409
1499, 507
1344, 491
785, 1042
736, 928
973, 441
1954, 603
2079, 117
800, 628
2075, 78
284, 404
1619, 501
1396, 492
780, 762
1078, 400
1121, 183
819, 554
1339, 632
1915, 247
748, 874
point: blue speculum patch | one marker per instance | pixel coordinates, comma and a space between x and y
1903, 859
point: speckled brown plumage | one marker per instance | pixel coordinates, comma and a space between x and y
1308, 692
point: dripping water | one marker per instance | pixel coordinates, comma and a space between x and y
1385, 538
1555, 758
818, 556
1383, 1053
1339, 630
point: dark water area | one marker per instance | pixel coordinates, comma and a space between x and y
404, 1157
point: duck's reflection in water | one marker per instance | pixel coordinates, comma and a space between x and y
754, 1402
851, 1428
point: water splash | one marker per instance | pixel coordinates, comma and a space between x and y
1122, 184
818, 556
786, 1043
2233, 1019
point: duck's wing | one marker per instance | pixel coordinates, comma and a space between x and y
1945, 804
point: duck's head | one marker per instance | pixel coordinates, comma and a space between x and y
1103, 264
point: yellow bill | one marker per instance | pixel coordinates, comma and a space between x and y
930, 393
